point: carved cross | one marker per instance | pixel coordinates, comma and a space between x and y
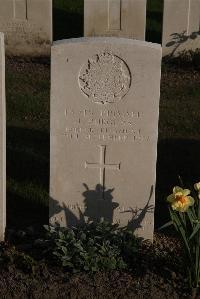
20, 9
188, 17
102, 166
191, 25
114, 14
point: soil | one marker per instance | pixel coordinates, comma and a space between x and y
157, 274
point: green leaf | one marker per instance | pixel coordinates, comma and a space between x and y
191, 216
61, 235
166, 225
180, 227
64, 250
196, 229
67, 264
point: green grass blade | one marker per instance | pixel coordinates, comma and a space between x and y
192, 217
166, 225
196, 229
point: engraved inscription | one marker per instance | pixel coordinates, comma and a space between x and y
24, 31
106, 125
105, 78
102, 166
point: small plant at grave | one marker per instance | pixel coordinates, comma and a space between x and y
11, 258
25, 263
185, 217
93, 247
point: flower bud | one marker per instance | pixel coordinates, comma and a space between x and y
197, 186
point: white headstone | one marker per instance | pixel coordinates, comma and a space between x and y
2, 140
27, 25
181, 26
121, 18
104, 127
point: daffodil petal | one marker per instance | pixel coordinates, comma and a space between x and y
186, 192
177, 189
197, 186
191, 200
170, 198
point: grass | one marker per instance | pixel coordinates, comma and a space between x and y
28, 93
74, 6
28, 88
180, 108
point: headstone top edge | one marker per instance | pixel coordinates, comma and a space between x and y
106, 40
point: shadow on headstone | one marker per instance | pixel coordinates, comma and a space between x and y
138, 215
178, 39
98, 206
70, 218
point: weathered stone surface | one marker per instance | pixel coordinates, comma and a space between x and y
121, 18
2, 140
104, 126
27, 25
181, 26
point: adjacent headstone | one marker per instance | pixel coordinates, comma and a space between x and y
2, 141
120, 18
104, 127
27, 25
181, 26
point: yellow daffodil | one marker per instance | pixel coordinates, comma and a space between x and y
179, 199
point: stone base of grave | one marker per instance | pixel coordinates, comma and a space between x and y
2, 141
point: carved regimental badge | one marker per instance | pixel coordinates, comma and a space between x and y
105, 78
